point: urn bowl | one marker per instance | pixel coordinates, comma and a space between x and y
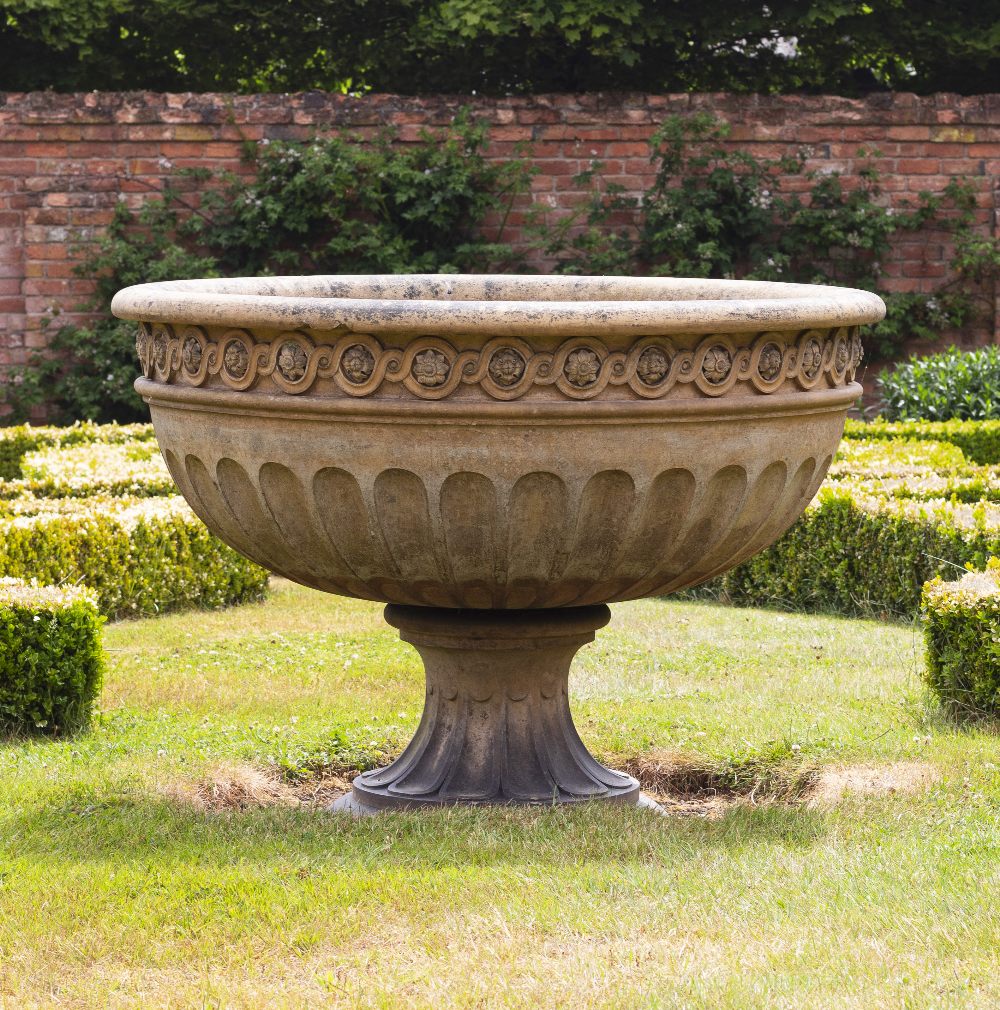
504, 443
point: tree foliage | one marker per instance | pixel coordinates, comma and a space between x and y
501, 46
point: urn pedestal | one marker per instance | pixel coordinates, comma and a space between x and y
497, 458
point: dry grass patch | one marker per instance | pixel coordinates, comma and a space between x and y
236, 787
685, 785
679, 778
901, 777
681, 784
242, 787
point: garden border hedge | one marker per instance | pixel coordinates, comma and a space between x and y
51, 660
979, 440
860, 554
962, 635
17, 441
140, 556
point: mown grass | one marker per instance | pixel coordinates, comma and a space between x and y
115, 891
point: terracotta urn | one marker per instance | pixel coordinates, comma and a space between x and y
497, 459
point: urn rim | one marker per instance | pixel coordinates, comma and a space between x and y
505, 305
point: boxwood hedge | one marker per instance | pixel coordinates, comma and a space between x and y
861, 554
962, 633
134, 469
51, 661
979, 440
17, 441
139, 556
893, 513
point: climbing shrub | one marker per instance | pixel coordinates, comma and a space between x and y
339, 205
329, 205
719, 211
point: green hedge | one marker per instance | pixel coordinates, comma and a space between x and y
979, 440
131, 469
95, 505
939, 387
908, 468
16, 442
139, 556
896, 510
962, 633
51, 661
862, 554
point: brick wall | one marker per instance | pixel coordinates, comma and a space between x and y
66, 159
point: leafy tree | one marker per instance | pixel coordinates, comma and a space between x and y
500, 46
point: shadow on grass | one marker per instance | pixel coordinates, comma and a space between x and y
124, 829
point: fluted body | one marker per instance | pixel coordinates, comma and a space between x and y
501, 513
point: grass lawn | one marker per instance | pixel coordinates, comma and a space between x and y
123, 883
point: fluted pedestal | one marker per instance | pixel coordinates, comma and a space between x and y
496, 726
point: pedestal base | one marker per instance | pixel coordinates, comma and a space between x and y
348, 804
496, 726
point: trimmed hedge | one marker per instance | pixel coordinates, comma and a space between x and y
134, 469
938, 387
51, 661
863, 555
978, 440
139, 556
901, 506
94, 505
907, 468
962, 633
16, 442
898, 457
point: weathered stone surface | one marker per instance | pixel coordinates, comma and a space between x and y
494, 448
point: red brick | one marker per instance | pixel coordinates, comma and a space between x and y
628, 150
530, 116
52, 269
907, 133
45, 251
907, 284
220, 149
924, 270
18, 166
642, 133
202, 133
591, 133
917, 166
